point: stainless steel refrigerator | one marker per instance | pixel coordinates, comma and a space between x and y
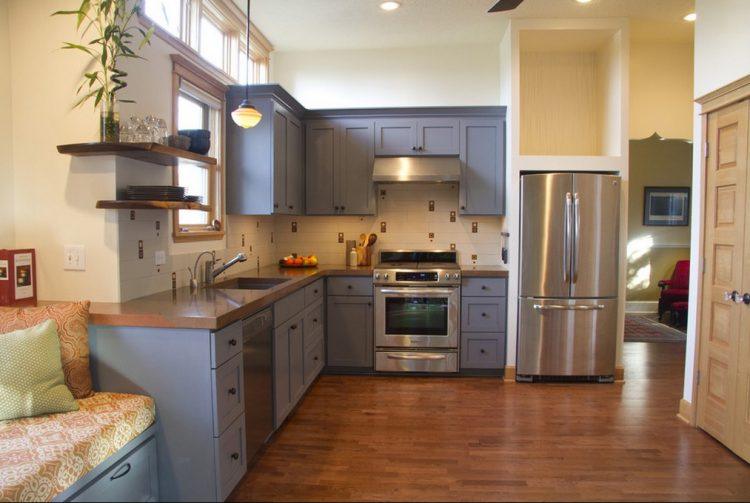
569, 269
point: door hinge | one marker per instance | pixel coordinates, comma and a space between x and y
705, 150
703, 265
698, 378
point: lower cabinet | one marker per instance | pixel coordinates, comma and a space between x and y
350, 332
484, 305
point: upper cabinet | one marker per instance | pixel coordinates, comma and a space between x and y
265, 164
408, 137
482, 186
340, 157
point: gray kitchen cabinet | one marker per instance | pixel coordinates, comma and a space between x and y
350, 332
410, 136
264, 164
340, 156
482, 187
484, 306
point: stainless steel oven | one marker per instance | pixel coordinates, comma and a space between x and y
416, 317
417, 311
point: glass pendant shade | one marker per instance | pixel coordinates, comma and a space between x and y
246, 115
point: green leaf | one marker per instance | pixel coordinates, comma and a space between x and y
99, 95
68, 45
83, 12
65, 12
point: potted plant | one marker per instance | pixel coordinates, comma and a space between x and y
110, 23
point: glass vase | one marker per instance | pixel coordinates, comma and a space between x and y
109, 125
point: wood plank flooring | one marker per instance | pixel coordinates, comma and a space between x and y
479, 439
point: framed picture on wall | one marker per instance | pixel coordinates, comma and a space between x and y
666, 206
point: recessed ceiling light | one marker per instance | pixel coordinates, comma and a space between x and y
583, 1
390, 5
690, 17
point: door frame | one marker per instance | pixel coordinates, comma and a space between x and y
730, 94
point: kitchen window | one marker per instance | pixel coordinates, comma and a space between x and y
199, 103
212, 33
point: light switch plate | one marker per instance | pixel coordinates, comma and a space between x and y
160, 257
74, 258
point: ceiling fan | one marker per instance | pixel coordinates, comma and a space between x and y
504, 5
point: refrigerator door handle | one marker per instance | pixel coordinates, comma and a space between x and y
554, 307
576, 235
567, 238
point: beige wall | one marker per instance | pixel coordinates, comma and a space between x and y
420, 76
661, 89
7, 224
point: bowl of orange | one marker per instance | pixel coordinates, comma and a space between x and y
295, 261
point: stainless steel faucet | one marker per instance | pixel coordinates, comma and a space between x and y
210, 272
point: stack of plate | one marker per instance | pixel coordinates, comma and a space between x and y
155, 193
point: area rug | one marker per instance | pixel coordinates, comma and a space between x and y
642, 329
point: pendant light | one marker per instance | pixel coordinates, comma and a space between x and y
246, 115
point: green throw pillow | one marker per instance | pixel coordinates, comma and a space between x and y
32, 382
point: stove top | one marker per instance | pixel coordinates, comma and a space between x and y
417, 268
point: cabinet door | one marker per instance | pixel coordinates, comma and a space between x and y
319, 172
396, 137
482, 187
438, 136
281, 368
296, 360
354, 188
350, 330
294, 149
279, 160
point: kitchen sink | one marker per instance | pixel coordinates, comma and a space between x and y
250, 283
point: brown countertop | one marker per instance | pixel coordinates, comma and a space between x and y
215, 308
484, 271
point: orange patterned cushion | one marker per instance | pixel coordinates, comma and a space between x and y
40, 457
72, 327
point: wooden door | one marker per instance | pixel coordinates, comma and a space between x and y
354, 187
720, 409
396, 137
438, 136
482, 187
320, 165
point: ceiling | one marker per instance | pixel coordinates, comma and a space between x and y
297, 25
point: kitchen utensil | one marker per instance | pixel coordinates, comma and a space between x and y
371, 240
362, 239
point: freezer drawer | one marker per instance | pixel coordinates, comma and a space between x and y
562, 337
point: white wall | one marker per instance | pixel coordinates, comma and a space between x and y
424, 76
661, 89
7, 224
722, 55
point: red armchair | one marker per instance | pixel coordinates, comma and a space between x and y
675, 289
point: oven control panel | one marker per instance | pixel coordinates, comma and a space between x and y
416, 277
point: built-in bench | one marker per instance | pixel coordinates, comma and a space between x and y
105, 451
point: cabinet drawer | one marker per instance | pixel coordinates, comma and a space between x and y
350, 286
313, 322
314, 357
314, 292
483, 287
483, 314
287, 307
228, 393
226, 343
231, 462
482, 351
133, 478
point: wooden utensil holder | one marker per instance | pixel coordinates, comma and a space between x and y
364, 255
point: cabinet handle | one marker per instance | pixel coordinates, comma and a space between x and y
484, 315
232, 391
235, 456
232, 342
275, 205
420, 149
463, 207
336, 208
369, 303
414, 148
343, 208
291, 207
484, 287
315, 320
481, 351
121, 472
315, 291
349, 287
293, 327
315, 358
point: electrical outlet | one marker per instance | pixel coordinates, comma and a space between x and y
74, 258
431, 206
453, 216
383, 227
453, 246
140, 250
341, 237
160, 257
431, 235
294, 226
474, 227
243, 240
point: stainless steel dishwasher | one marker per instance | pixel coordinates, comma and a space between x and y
257, 340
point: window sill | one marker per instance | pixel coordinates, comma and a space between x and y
186, 237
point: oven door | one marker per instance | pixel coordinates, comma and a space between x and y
412, 317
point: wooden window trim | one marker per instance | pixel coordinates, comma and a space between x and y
188, 70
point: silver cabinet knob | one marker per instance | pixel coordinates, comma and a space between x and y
377, 275
447, 276
456, 275
385, 276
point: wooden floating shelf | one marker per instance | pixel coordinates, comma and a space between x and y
155, 153
151, 205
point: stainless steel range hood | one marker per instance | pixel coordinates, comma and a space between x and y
416, 169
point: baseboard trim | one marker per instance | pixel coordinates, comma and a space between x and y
619, 373
686, 412
642, 306
510, 373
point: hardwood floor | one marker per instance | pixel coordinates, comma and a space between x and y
471, 439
